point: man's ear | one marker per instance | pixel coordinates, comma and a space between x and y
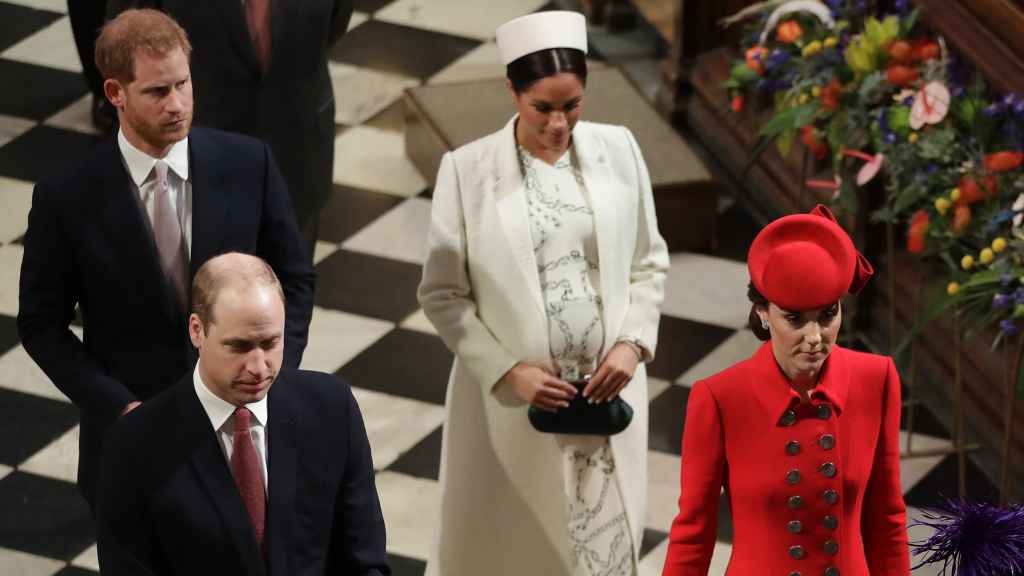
196, 331
114, 92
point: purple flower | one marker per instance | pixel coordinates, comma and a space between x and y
902, 6
1009, 328
1018, 107
994, 109
1005, 280
1000, 301
776, 58
931, 168
1018, 296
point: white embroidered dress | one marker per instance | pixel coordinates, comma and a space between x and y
565, 246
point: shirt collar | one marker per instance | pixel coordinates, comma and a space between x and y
217, 410
141, 164
774, 392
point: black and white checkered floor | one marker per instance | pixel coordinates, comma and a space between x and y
367, 326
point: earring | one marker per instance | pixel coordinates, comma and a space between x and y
764, 324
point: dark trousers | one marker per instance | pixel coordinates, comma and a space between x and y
87, 17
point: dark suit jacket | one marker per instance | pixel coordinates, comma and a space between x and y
89, 244
168, 503
291, 106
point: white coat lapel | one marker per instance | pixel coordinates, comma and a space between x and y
510, 197
595, 167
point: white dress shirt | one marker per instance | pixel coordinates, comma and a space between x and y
140, 167
221, 415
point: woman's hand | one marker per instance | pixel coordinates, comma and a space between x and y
538, 387
613, 374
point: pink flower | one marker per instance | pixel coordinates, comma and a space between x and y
930, 106
872, 164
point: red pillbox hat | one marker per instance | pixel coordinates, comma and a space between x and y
806, 261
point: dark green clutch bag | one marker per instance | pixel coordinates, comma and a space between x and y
606, 419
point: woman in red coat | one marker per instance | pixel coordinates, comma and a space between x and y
804, 435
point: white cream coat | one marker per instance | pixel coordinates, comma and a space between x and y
503, 508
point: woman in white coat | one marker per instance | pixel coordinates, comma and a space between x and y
545, 266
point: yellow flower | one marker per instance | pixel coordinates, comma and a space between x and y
831, 42
986, 256
942, 205
812, 49
803, 99
955, 194
967, 262
999, 244
952, 288
816, 91
913, 137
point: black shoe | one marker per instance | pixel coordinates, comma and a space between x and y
104, 116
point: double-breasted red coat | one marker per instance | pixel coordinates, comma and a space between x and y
814, 488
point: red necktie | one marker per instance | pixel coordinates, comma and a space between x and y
257, 16
245, 464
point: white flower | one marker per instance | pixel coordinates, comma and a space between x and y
1018, 205
812, 6
930, 105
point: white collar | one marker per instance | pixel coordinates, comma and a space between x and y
141, 164
217, 410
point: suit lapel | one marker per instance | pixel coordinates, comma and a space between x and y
597, 178
281, 458
120, 210
510, 197
209, 207
212, 469
236, 26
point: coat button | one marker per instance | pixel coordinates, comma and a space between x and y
795, 573
788, 418
792, 447
830, 522
830, 496
795, 526
795, 502
824, 411
831, 571
793, 477
827, 441
797, 552
828, 469
831, 547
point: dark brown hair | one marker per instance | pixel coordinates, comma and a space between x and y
526, 71
120, 40
754, 321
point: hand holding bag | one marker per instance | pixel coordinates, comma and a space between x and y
604, 419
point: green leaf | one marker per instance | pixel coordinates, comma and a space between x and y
784, 142
742, 73
838, 130
791, 119
909, 21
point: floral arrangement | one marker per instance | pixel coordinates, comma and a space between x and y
973, 539
884, 104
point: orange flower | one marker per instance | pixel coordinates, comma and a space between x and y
961, 218
925, 49
737, 103
917, 232
789, 32
971, 190
1003, 161
900, 75
830, 94
755, 59
809, 136
900, 51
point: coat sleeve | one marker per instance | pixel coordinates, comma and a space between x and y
445, 291
884, 523
280, 245
358, 542
649, 265
341, 15
48, 292
692, 537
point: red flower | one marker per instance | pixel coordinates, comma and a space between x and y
924, 49
971, 190
789, 32
809, 136
1003, 161
755, 58
830, 94
900, 75
737, 103
900, 51
917, 232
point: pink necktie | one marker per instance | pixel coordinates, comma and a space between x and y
170, 242
257, 16
245, 465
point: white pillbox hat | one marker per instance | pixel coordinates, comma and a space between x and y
540, 31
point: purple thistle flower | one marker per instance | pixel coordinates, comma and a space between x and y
1000, 301
973, 539
1018, 296
1009, 328
902, 6
776, 58
993, 109
1010, 100
1018, 107
889, 138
